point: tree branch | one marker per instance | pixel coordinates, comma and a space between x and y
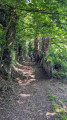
36, 10
42, 11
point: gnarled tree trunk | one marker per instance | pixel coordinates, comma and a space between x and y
47, 65
10, 28
45, 46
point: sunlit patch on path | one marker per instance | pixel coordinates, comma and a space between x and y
27, 74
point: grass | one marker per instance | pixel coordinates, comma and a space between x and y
52, 97
63, 115
6, 88
58, 105
55, 107
60, 102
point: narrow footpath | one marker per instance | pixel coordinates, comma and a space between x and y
28, 98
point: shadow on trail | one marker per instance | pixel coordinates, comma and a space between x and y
28, 72
24, 74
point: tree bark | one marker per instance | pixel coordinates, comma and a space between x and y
45, 46
47, 65
36, 48
9, 39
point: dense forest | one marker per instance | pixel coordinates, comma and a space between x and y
39, 27
33, 89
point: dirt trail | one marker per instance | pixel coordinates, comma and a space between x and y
28, 99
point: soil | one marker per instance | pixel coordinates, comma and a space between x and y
26, 97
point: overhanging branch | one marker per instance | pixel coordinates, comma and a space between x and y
36, 10
42, 11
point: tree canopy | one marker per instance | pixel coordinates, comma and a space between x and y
22, 21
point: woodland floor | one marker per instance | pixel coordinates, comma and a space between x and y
26, 98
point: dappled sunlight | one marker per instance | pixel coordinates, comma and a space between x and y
33, 59
29, 81
19, 81
32, 76
50, 114
25, 95
20, 65
17, 69
25, 82
25, 74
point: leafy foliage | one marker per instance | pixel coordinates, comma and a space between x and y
52, 97
37, 18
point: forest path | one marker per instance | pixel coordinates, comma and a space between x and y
29, 98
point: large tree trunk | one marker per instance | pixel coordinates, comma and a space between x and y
9, 39
47, 65
20, 53
45, 46
10, 35
36, 48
